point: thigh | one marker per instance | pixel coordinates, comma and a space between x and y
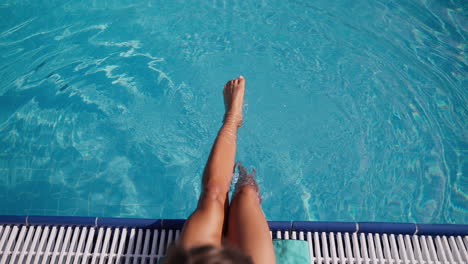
248, 228
205, 225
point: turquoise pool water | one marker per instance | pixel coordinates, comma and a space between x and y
354, 110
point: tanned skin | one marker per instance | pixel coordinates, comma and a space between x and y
244, 221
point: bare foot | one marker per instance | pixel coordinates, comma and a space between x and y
233, 99
246, 180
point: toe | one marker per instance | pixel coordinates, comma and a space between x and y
241, 80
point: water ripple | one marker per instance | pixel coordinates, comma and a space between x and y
355, 111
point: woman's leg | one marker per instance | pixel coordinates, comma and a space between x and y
247, 226
205, 225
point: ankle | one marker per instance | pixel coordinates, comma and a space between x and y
233, 118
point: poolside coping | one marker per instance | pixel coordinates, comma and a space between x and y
298, 226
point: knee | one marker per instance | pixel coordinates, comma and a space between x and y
248, 192
213, 193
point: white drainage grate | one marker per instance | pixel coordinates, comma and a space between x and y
78, 244
349, 248
73, 245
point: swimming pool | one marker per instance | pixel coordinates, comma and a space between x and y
355, 110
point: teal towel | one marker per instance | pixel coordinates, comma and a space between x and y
291, 251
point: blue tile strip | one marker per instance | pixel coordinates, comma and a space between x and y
280, 225
452, 230
12, 219
392, 228
63, 220
172, 223
129, 222
304, 226
324, 226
